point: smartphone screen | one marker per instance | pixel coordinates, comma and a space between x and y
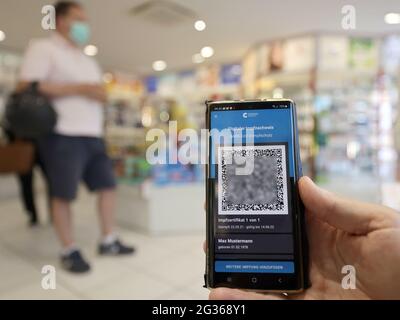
253, 209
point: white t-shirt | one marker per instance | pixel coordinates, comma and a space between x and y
55, 60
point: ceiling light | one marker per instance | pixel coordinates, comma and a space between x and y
159, 65
200, 25
2, 35
90, 50
392, 18
207, 52
197, 58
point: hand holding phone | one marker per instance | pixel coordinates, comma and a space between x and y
354, 250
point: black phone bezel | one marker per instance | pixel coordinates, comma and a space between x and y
260, 281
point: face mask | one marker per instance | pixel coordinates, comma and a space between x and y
79, 32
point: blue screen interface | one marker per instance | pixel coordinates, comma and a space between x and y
253, 226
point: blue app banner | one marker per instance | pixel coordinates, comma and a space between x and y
254, 266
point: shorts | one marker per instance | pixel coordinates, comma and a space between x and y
68, 160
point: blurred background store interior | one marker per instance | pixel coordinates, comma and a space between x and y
161, 61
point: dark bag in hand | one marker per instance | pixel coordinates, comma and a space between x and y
29, 114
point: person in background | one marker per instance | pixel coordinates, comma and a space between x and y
76, 151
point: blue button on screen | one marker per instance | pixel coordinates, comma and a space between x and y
254, 266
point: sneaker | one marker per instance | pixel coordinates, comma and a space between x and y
33, 223
74, 262
115, 248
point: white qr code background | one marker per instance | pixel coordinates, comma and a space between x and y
263, 191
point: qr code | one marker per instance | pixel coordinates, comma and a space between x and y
263, 190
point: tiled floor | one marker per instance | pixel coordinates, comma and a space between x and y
164, 267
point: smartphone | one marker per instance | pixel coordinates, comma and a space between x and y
255, 219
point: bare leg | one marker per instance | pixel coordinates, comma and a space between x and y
110, 245
106, 208
62, 220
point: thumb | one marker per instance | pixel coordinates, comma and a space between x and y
348, 215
